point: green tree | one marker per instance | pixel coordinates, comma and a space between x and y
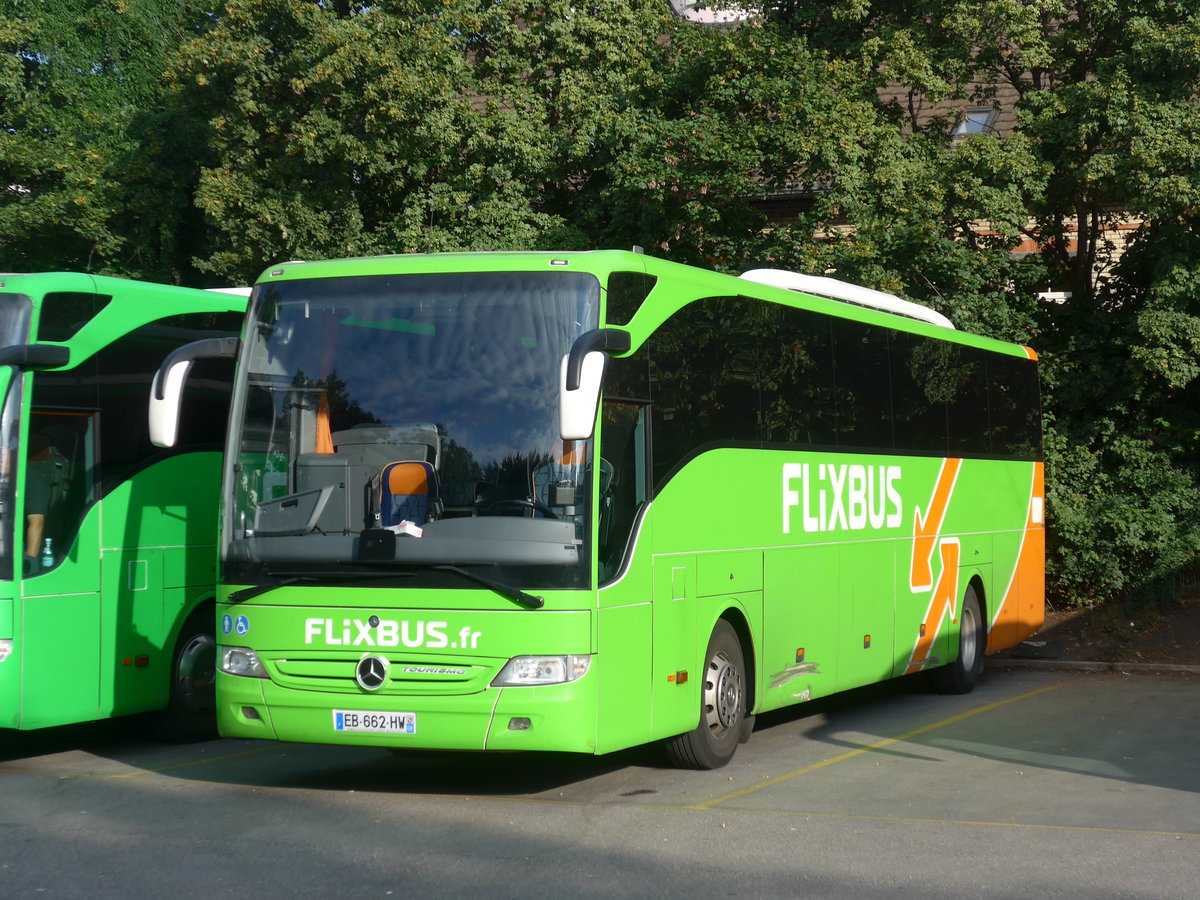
406, 126
666, 134
342, 129
93, 172
1105, 144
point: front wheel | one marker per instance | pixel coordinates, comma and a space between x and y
191, 707
960, 676
723, 717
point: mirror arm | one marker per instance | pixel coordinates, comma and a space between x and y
209, 348
610, 340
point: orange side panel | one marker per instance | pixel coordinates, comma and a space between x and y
1024, 608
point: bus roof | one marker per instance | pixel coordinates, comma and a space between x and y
816, 296
132, 304
39, 283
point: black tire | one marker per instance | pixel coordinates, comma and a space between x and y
959, 677
191, 712
723, 715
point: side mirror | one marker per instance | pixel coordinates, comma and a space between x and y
577, 408
35, 356
580, 380
166, 393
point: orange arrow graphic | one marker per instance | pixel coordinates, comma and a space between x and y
926, 530
940, 603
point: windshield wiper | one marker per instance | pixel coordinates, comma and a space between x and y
310, 577
251, 592
516, 595
507, 591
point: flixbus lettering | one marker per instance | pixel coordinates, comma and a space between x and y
841, 497
388, 633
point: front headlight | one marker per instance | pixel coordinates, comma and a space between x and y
242, 661
534, 670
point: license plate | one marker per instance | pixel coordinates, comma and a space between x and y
359, 720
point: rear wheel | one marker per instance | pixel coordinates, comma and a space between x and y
960, 676
723, 718
191, 708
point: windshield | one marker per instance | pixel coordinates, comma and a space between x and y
14, 319
410, 421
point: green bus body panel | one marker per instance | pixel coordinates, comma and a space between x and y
113, 608
624, 693
837, 606
837, 569
93, 637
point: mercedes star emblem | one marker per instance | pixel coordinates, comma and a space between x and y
371, 672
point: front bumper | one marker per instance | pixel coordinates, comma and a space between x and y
560, 717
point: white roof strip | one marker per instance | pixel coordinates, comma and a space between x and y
850, 293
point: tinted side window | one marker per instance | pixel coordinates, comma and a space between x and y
58, 485
967, 386
626, 291
624, 488
65, 312
734, 372
922, 383
796, 371
1015, 407
125, 370
629, 376
862, 384
704, 380
63, 427
116, 383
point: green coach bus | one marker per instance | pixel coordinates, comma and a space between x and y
107, 543
585, 501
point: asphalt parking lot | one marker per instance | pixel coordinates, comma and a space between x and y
1040, 783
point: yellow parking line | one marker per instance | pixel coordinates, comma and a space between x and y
916, 820
878, 745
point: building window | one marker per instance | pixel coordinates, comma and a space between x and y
975, 120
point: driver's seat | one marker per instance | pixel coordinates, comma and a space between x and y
408, 491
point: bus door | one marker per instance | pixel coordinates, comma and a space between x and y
59, 570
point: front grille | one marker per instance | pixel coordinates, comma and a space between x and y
410, 675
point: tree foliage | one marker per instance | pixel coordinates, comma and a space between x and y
1101, 174
164, 139
402, 126
344, 130
94, 170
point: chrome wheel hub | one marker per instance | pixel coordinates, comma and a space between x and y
722, 694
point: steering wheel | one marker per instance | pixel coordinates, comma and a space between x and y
522, 504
